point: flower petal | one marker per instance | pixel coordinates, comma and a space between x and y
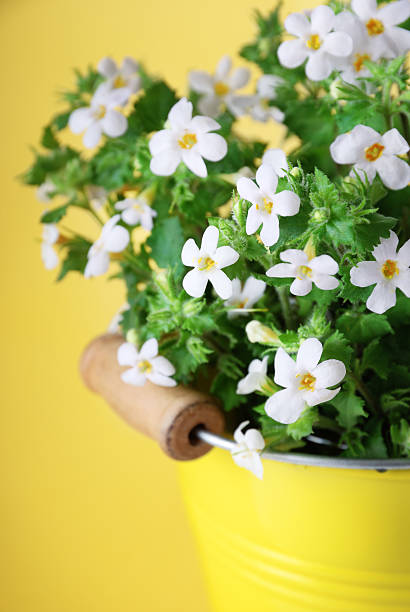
366, 273
200, 81
129, 66
133, 377
294, 256
309, 354
322, 19
226, 256
394, 142
97, 264
190, 253
292, 53
201, 124
270, 230
162, 141
339, 44
212, 146
253, 220
165, 163
249, 384
285, 369
387, 249
249, 191
210, 239
318, 66
286, 203
260, 366
223, 68
221, 283
267, 179
282, 270
114, 124
239, 78
395, 12
329, 373
325, 281
324, 264
394, 172
180, 114
320, 396
80, 119
364, 8
277, 159
149, 349
107, 67
285, 406
297, 24
117, 240
404, 254
161, 380
127, 354
403, 282
301, 286
92, 135
195, 283
49, 257
382, 298
210, 105
254, 440
193, 160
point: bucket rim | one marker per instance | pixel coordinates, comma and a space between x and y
380, 465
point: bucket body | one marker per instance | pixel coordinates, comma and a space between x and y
304, 538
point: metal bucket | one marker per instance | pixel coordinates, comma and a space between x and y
309, 538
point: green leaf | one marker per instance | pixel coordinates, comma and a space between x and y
369, 234
55, 215
166, 242
376, 358
374, 444
224, 388
349, 406
151, 111
363, 328
304, 425
337, 347
400, 435
76, 258
48, 139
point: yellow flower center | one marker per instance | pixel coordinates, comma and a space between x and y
221, 89
205, 263
373, 153
145, 366
359, 61
307, 383
304, 271
374, 27
119, 82
100, 112
187, 141
267, 205
389, 269
314, 42
242, 304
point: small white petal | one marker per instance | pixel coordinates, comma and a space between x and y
364, 8
133, 377
286, 203
294, 256
149, 349
250, 383
404, 254
318, 66
366, 273
329, 373
200, 81
193, 160
249, 191
403, 282
80, 119
282, 270
92, 135
285, 406
320, 396
297, 24
238, 434
387, 249
292, 53
253, 220
322, 19
226, 256
180, 114
107, 67
267, 179
221, 283
382, 298
256, 365
277, 159
161, 380
49, 256
97, 264
195, 283
325, 281
210, 239
324, 264
285, 369
254, 440
270, 230
114, 124
190, 253
210, 105
301, 286
309, 354
165, 163
162, 141
223, 68
253, 290
339, 44
117, 240
395, 12
127, 354
239, 78
394, 172
129, 66
212, 147
394, 142
202, 125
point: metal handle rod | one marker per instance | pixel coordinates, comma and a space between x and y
380, 465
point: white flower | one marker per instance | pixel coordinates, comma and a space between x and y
188, 140
113, 239
353, 67
48, 254
122, 76
276, 158
43, 191
318, 270
256, 377
316, 42
97, 196
389, 272
370, 153
145, 364
380, 25
267, 204
260, 109
248, 449
257, 332
243, 298
114, 324
137, 210
207, 263
218, 90
100, 117
306, 382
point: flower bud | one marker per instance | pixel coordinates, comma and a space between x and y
320, 215
257, 332
295, 172
334, 89
132, 336
192, 307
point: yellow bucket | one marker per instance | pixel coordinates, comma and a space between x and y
306, 538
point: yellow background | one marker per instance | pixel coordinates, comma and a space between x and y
91, 518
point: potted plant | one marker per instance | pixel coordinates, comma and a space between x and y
271, 288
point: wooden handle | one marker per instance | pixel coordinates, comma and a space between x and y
166, 414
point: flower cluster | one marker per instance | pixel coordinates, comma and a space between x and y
240, 259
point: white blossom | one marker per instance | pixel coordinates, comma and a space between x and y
101, 117
249, 446
370, 152
276, 158
49, 238
244, 297
114, 324
187, 139
137, 210
97, 196
207, 263
145, 364
113, 239
260, 108
316, 41
256, 378
257, 332
218, 90
267, 204
124, 76
306, 382
318, 270
389, 271
380, 25
44, 190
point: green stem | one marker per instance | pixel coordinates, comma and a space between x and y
386, 104
284, 303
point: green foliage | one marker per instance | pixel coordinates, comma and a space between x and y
75, 259
361, 328
166, 242
349, 407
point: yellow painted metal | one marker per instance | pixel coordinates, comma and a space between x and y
303, 539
